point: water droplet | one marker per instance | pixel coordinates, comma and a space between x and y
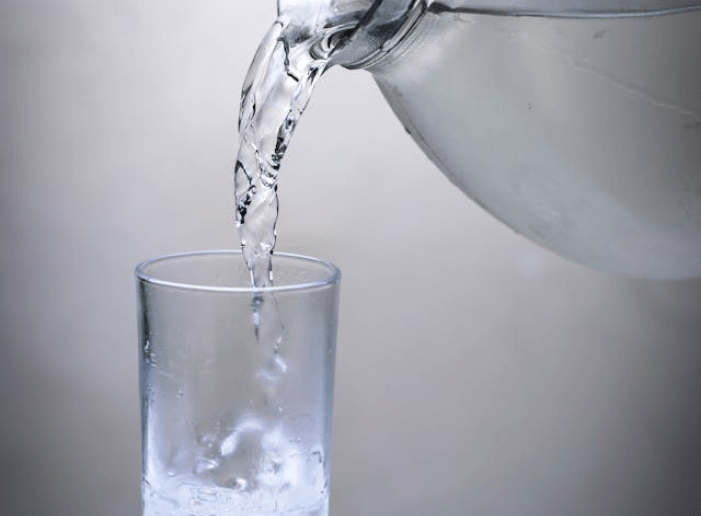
281, 365
239, 484
180, 393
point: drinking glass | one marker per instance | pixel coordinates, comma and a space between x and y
236, 385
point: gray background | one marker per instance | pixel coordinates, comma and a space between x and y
483, 377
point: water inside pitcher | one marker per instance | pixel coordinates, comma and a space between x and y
576, 123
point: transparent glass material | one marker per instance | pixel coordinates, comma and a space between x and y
581, 134
575, 122
375, 26
233, 424
544, 7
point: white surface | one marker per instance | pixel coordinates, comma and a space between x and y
497, 380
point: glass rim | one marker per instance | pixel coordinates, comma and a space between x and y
331, 278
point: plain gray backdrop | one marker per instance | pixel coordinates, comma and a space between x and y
477, 374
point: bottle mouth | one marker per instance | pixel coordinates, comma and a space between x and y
367, 37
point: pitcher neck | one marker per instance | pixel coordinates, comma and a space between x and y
382, 24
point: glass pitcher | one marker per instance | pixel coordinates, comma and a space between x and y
576, 123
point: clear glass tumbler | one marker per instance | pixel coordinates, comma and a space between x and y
236, 385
